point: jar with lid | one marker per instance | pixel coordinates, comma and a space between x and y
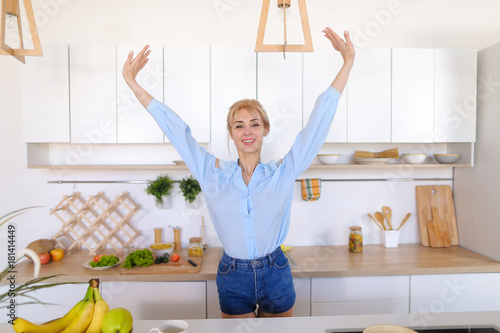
355, 239
195, 247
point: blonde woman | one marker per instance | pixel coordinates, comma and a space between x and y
250, 201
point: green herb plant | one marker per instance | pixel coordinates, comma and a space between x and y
190, 188
160, 188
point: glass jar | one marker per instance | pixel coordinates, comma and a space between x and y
355, 239
195, 247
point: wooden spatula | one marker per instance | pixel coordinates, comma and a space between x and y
380, 219
437, 229
387, 211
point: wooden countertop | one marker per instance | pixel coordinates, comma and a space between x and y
313, 261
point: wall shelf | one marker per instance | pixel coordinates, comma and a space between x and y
184, 167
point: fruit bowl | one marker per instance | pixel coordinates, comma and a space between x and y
414, 158
328, 158
160, 249
447, 158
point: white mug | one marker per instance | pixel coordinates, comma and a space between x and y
171, 326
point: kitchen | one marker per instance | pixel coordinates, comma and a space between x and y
212, 23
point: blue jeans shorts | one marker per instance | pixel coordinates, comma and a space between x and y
243, 284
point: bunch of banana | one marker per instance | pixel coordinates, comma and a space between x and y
85, 317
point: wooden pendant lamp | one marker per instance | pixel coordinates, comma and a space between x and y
285, 47
11, 8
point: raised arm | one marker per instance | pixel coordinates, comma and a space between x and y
346, 49
130, 70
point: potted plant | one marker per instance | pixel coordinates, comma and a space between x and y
190, 189
160, 188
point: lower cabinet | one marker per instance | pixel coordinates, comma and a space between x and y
158, 300
455, 293
301, 308
360, 295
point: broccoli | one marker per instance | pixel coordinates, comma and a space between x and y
142, 258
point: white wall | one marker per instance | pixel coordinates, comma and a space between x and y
461, 24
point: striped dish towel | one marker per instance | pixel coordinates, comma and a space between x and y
311, 189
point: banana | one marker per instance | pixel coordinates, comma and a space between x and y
21, 325
84, 317
100, 309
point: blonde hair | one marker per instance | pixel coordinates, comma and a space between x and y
251, 105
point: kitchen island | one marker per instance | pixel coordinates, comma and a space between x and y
312, 261
322, 324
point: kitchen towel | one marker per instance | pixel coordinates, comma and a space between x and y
311, 189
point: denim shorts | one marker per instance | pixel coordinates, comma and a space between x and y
267, 282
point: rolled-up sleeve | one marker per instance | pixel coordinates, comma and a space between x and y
197, 159
313, 135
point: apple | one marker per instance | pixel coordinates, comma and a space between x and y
56, 254
44, 258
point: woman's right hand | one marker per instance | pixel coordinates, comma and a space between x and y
133, 66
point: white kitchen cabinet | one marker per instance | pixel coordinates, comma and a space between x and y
320, 69
158, 300
93, 93
301, 308
455, 95
233, 78
279, 89
412, 95
359, 295
187, 86
454, 293
61, 299
45, 96
369, 98
134, 123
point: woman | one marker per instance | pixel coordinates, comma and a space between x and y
249, 201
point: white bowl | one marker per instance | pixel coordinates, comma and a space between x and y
328, 158
414, 158
447, 158
160, 252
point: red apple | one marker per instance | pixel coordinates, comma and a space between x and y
44, 258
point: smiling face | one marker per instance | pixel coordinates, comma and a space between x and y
247, 132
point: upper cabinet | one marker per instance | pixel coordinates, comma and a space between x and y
369, 98
412, 95
279, 89
233, 78
93, 93
187, 86
134, 123
45, 96
320, 68
455, 95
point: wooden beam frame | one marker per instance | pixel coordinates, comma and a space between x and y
12, 6
306, 47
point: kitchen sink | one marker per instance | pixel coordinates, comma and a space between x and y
435, 329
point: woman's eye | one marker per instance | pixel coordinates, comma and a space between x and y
238, 126
255, 125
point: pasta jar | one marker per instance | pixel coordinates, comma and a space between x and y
195, 247
355, 239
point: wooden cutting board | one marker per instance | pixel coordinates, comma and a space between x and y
437, 229
438, 196
179, 267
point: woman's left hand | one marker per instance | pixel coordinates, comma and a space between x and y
346, 48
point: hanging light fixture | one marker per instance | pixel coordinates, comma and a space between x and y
284, 12
11, 19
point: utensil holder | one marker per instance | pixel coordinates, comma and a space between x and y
390, 238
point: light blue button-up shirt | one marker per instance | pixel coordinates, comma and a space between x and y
251, 221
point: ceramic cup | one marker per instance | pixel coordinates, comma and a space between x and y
171, 326
390, 238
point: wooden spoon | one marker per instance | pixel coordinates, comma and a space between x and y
404, 220
380, 219
376, 222
388, 215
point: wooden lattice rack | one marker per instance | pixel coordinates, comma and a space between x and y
96, 222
